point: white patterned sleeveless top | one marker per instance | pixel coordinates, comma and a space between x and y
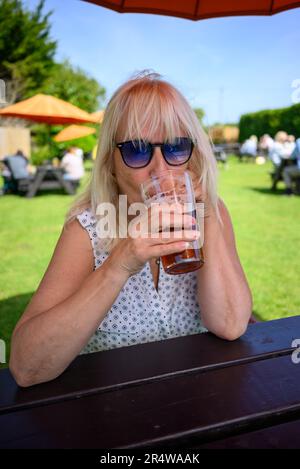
141, 313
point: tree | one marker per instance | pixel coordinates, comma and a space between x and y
199, 113
26, 49
75, 86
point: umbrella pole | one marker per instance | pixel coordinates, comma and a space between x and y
51, 143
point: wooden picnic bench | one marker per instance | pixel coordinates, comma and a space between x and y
47, 177
50, 177
196, 391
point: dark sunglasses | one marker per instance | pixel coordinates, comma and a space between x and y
138, 153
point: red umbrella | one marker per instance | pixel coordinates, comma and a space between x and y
199, 9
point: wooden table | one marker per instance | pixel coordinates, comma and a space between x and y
49, 177
190, 392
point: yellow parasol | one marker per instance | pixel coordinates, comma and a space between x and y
49, 110
73, 132
98, 115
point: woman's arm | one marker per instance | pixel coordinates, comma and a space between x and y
72, 300
65, 311
223, 292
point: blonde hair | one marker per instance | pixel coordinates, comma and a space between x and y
145, 102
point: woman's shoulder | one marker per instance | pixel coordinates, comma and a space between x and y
87, 217
88, 221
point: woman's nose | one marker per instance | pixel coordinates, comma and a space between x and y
158, 162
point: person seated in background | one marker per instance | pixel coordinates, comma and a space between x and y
73, 165
280, 155
79, 152
18, 165
279, 151
249, 148
291, 172
289, 146
266, 143
13, 169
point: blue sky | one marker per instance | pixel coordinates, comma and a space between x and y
228, 66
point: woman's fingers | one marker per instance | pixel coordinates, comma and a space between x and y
167, 249
168, 216
175, 236
171, 222
171, 246
180, 235
160, 221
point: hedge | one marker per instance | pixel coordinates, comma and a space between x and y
270, 121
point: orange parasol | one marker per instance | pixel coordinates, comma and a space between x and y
199, 9
74, 131
49, 110
98, 116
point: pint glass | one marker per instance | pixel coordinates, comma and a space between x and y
175, 187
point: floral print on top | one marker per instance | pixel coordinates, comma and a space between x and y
141, 313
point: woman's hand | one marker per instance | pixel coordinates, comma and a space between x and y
161, 230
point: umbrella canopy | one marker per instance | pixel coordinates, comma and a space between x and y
72, 132
47, 109
98, 116
197, 10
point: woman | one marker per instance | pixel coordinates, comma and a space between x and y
95, 296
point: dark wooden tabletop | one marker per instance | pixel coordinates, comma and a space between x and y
195, 391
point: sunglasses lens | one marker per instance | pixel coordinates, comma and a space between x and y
179, 151
136, 154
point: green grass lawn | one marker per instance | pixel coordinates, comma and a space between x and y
266, 227
267, 234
